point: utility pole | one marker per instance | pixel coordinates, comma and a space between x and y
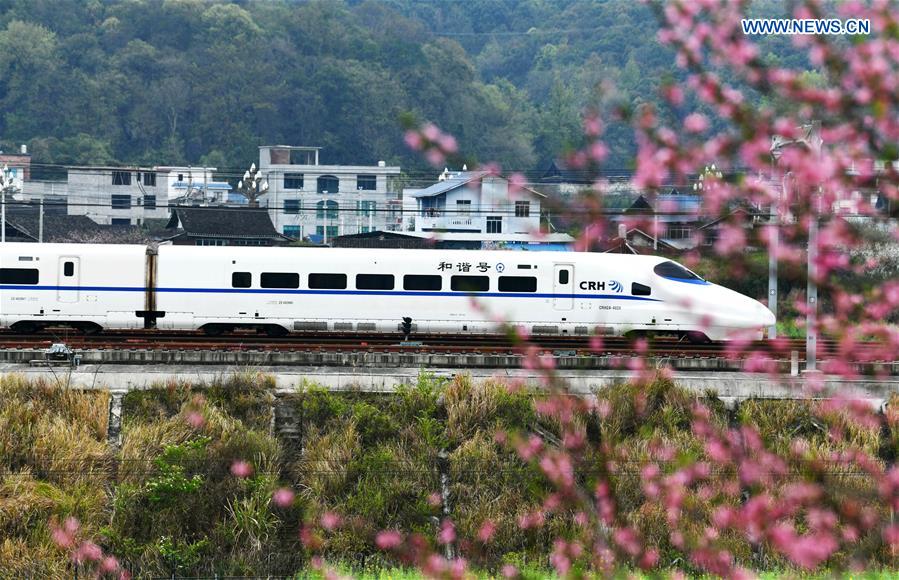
813, 138
777, 144
40, 220
6, 185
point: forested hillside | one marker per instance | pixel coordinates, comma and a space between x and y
194, 81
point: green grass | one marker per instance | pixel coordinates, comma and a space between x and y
167, 497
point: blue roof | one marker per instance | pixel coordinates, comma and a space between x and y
457, 180
217, 185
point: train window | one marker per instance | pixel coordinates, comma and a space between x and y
374, 281
18, 275
327, 281
517, 283
524, 266
676, 271
68, 268
470, 283
422, 282
563, 276
242, 280
638, 289
279, 280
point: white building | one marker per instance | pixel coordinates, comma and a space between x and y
476, 202
306, 199
127, 195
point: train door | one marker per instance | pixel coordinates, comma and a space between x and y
68, 279
563, 287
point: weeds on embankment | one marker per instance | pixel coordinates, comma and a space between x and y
200, 485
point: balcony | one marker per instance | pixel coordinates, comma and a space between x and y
436, 221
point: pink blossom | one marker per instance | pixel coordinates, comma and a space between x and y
88, 551
283, 497
430, 132
696, 123
330, 521
447, 533
388, 539
195, 419
241, 469
109, 564
61, 538
448, 143
413, 140
487, 530
435, 157
509, 571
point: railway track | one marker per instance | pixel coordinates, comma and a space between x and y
484, 344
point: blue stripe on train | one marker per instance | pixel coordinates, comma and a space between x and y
326, 292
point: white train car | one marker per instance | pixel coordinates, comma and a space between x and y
281, 290
87, 286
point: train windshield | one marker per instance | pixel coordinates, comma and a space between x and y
676, 271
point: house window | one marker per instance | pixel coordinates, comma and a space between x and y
463, 206
292, 206
679, 232
241, 280
328, 184
366, 183
150, 179
494, 224
121, 222
295, 232
326, 209
149, 202
366, 208
120, 201
331, 231
522, 209
121, 178
293, 181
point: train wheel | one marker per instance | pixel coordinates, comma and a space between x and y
88, 327
275, 331
696, 337
215, 329
26, 327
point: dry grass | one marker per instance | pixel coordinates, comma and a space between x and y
23, 559
490, 483
144, 441
323, 470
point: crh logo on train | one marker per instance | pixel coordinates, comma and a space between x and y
614, 285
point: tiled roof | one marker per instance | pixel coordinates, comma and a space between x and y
224, 222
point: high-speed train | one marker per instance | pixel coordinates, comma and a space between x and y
306, 290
